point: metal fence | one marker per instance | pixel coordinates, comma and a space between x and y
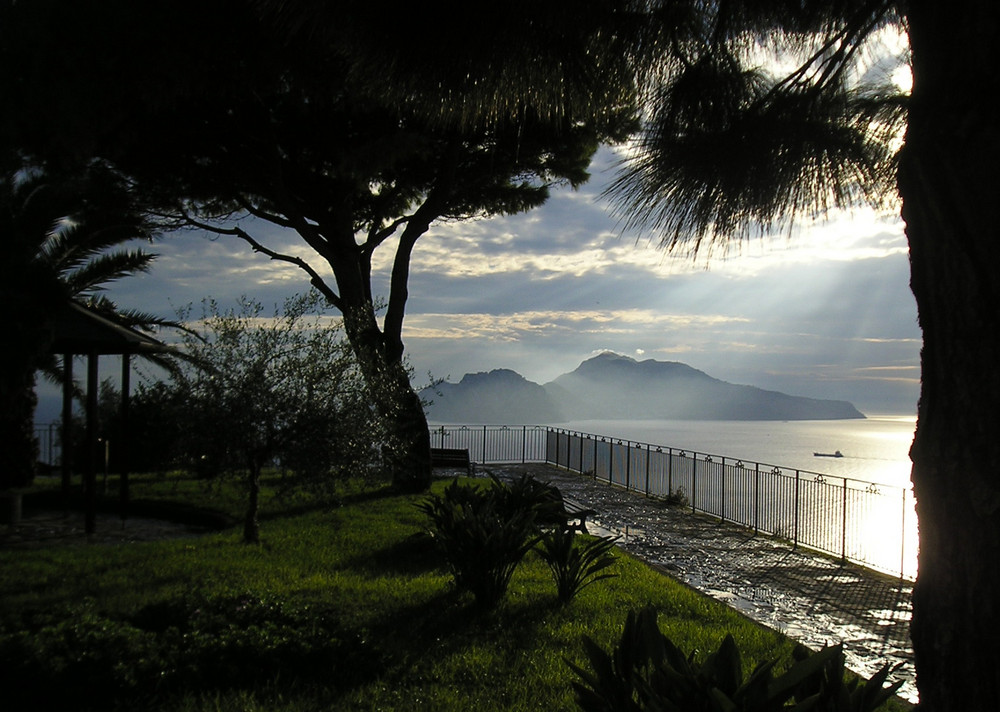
49, 444
868, 523
494, 444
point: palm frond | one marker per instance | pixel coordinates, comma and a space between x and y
135, 319
728, 150
99, 271
728, 153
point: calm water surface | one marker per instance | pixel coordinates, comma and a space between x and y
874, 449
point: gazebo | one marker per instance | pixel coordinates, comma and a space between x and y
81, 331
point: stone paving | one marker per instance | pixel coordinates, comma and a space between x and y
812, 598
41, 528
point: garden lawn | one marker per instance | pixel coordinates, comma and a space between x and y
343, 606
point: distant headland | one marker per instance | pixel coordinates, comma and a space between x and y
611, 386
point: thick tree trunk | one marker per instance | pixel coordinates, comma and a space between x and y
407, 446
408, 453
949, 182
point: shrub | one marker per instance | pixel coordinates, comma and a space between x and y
89, 659
76, 662
529, 494
575, 562
485, 532
646, 671
482, 539
677, 498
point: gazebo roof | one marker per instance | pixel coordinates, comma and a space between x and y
80, 330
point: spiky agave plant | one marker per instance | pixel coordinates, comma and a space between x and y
575, 562
482, 542
647, 671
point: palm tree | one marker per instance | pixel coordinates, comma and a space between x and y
728, 150
63, 239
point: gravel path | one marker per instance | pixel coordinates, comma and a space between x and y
813, 599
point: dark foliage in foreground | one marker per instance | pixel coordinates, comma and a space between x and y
646, 671
87, 658
482, 540
485, 532
575, 564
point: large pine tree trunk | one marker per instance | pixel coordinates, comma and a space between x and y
407, 449
949, 183
409, 453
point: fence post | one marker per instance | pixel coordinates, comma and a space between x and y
756, 497
723, 495
843, 525
694, 480
670, 471
795, 535
648, 456
628, 464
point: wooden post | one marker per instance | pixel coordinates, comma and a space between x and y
90, 473
67, 428
125, 440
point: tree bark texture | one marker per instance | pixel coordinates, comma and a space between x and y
379, 352
949, 184
408, 451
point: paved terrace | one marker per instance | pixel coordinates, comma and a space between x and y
812, 598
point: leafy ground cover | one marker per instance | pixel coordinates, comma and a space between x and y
344, 605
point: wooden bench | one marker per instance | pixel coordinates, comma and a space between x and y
551, 509
576, 515
452, 457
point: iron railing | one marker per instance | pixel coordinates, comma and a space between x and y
872, 524
49, 440
494, 444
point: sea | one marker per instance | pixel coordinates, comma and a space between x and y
874, 449
875, 453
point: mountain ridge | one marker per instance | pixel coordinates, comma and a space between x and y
612, 386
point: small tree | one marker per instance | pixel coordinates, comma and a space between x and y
283, 388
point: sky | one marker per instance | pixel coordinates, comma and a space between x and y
825, 312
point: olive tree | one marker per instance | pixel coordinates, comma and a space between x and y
279, 388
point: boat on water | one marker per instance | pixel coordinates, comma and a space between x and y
836, 453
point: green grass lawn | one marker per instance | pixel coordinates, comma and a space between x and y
344, 606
